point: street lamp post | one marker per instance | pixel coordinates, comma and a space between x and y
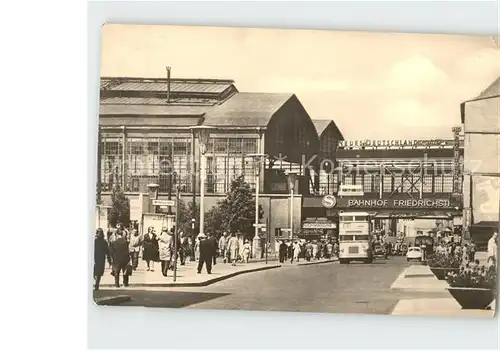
258, 160
153, 195
203, 136
292, 176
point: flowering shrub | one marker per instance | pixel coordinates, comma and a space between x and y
445, 260
473, 276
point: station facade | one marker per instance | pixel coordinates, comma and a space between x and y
145, 133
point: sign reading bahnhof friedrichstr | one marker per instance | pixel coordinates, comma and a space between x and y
394, 203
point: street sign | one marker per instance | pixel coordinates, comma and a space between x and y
163, 203
329, 201
260, 225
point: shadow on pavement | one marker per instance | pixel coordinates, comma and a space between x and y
168, 299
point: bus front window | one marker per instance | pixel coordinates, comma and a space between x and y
361, 238
346, 237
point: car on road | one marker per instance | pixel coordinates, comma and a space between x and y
379, 251
414, 254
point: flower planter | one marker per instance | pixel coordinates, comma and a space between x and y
440, 272
472, 298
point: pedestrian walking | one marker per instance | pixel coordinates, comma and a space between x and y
166, 247
150, 249
121, 259
282, 249
223, 247
309, 251
329, 250
213, 242
233, 246
101, 253
289, 251
184, 248
472, 251
207, 252
315, 250
197, 249
296, 251
246, 251
336, 249
134, 247
493, 246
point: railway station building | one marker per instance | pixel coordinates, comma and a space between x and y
146, 123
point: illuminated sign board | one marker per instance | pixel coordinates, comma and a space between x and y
318, 225
394, 143
351, 190
429, 203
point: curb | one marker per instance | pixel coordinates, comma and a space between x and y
197, 284
317, 262
421, 275
112, 300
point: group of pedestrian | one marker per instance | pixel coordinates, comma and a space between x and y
122, 249
118, 250
308, 250
227, 247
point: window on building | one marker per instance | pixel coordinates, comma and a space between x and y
368, 183
111, 161
438, 183
388, 179
447, 183
427, 183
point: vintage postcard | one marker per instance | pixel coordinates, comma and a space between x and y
298, 170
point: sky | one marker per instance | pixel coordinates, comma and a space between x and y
373, 85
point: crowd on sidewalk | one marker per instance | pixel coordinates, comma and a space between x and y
309, 250
122, 249
467, 249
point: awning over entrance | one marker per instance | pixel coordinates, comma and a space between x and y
487, 224
482, 231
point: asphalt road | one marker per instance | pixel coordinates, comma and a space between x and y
329, 287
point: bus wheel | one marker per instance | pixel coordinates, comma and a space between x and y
342, 261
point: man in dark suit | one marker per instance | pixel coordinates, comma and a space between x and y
206, 253
282, 251
121, 258
213, 240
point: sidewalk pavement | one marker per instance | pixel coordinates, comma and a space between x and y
309, 263
441, 307
419, 279
187, 275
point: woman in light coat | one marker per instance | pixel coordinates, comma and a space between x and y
246, 251
233, 246
165, 248
296, 251
197, 249
493, 246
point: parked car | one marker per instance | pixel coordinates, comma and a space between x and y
414, 254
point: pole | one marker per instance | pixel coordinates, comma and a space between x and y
99, 160
193, 184
257, 185
291, 214
267, 236
176, 231
170, 170
202, 193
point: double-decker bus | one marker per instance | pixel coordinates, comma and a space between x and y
355, 237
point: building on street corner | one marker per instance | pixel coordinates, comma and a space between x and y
480, 119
